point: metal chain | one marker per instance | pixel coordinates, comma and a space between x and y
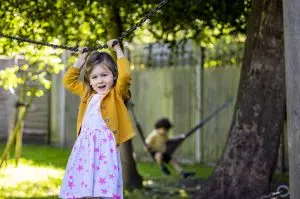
281, 192
140, 23
270, 195
75, 49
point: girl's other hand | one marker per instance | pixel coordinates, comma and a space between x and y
81, 57
113, 43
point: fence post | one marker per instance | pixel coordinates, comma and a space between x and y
58, 106
292, 63
199, 111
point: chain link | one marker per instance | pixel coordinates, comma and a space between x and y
99, 47
140, 23
281, 192
270, 196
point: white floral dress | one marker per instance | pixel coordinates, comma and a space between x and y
94, 166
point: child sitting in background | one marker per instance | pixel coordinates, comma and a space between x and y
157, 146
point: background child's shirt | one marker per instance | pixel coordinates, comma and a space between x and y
157, 142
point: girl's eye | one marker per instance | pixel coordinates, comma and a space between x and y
104, 75
94, 77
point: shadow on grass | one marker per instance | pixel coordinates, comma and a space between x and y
158, 186
44, 155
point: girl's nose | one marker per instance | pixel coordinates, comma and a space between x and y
99, 80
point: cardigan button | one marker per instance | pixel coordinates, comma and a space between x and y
106, 120
115, 132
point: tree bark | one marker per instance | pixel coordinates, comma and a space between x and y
131, 177
292, 48
249, 159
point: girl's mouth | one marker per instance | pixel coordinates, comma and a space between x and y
101, 87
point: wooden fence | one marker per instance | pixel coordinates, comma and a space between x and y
36, 126
171, 92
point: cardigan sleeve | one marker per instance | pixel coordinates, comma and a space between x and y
124, 78
71, 81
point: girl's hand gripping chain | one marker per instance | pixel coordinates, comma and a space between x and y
81, 57
115, 45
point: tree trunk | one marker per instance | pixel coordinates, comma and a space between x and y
19, 136
16, 132
250, 156
131, 177
13, 135
20, 110
292, 60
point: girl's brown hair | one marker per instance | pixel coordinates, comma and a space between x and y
95, 59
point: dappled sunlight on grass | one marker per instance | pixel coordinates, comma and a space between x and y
12, 175
41, 170
30, 180
38, 175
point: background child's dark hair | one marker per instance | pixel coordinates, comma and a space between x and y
95, 59
163, 123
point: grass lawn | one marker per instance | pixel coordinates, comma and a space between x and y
41, 170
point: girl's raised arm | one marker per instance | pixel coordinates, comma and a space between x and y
124, 72
70, 80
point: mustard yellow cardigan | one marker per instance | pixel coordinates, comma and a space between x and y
113, 109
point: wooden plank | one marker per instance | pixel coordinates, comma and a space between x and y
292, 60
37, 119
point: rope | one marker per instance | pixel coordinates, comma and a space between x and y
99, 47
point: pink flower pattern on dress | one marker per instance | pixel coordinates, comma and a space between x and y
102, 181
79, 168
94, 165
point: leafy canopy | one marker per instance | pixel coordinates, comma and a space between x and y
85, 23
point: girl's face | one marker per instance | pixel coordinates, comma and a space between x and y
101, 79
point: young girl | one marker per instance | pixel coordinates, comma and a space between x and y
94, 166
